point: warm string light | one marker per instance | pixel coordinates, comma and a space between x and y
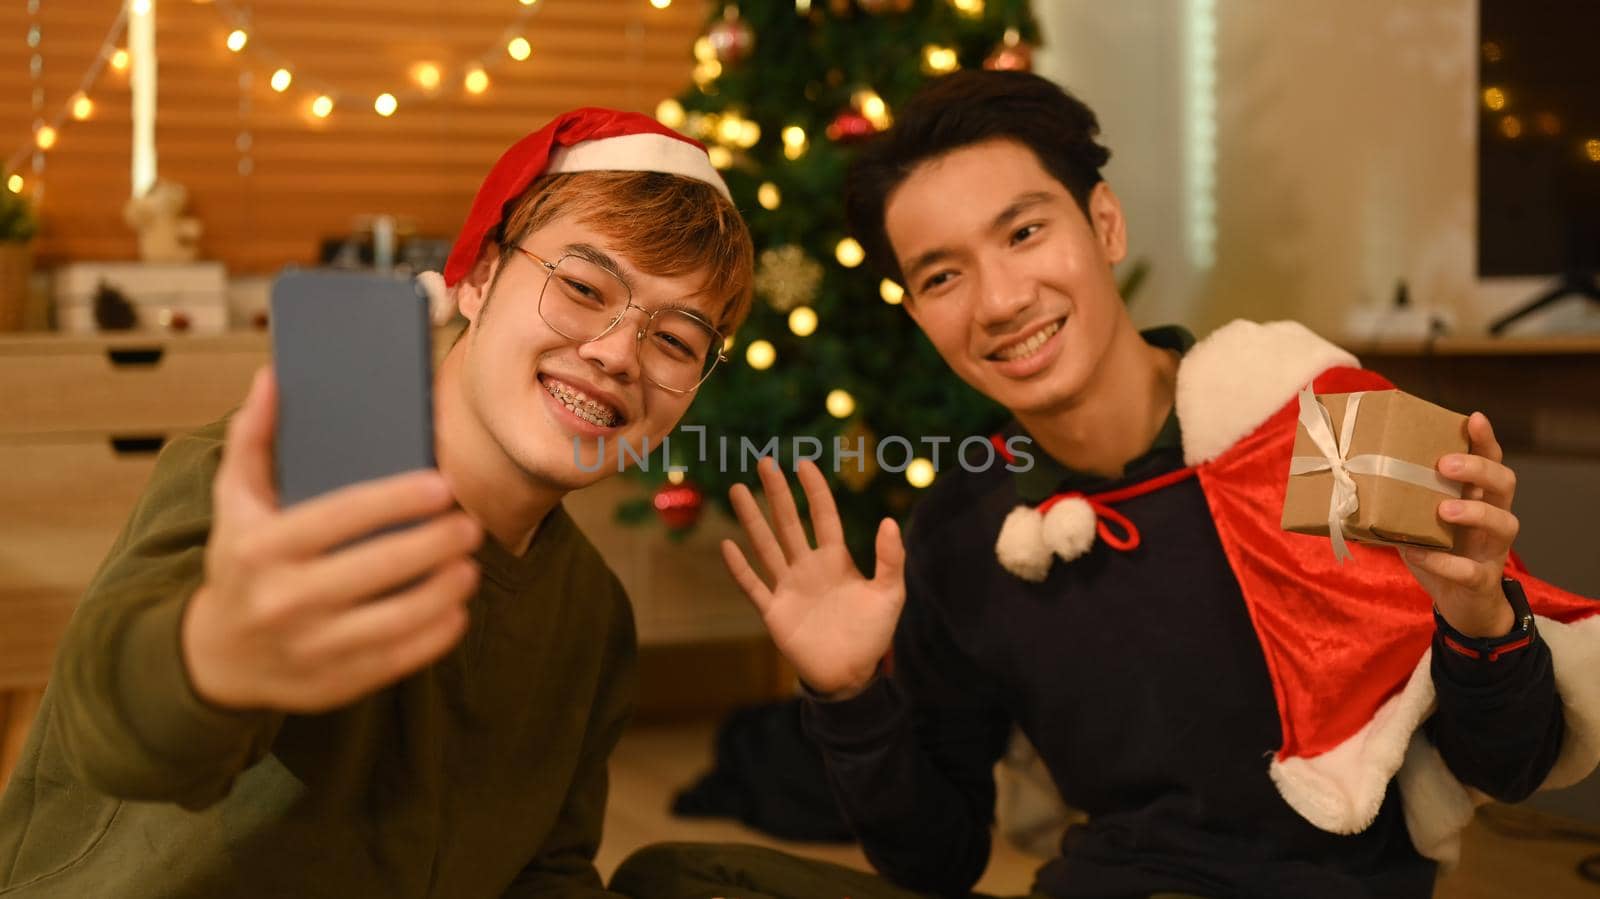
920, 473
670, 112
794, 142
937, 60
849, 253
873, 107
707, 68
803, 321
768, 196
760, 354
78, 106
840, 403
892, 293
426, 77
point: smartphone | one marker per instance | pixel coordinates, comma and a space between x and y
353, 355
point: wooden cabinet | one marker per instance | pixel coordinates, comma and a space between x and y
81, 421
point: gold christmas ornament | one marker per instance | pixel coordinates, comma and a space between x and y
857, 473
787, 278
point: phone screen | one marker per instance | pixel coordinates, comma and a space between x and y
352, 353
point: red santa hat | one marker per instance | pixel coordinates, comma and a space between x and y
584, 140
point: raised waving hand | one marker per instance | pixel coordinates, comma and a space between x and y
831, 623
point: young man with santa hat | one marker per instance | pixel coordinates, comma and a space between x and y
1238, 713
249, 703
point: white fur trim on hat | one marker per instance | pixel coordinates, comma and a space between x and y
1069, 528
1021, 547
1341, 790
639, 153
441, 300
1242, 373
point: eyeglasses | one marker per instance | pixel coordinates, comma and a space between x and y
582, 300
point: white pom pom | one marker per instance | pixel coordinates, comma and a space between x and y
1069, 528
1021, 548
441, 301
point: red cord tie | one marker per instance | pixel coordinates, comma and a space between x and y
1028, 544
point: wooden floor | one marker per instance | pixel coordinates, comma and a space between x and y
654, 761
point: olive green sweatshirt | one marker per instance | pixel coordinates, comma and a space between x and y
483, 775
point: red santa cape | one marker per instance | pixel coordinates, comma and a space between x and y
1347, 646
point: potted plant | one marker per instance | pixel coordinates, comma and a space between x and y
18, 224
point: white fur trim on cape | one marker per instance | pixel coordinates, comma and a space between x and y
639, 153
1242, 373
1021, 547
1228, 384
1069, 528
1341, 790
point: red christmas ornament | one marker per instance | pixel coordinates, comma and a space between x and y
1010, 55
679, 505
731, 38
850, 126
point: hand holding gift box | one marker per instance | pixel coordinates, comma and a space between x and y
1364, 468
1385, 467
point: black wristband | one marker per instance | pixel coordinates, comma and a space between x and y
1491, 649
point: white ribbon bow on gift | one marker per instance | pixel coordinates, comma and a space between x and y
1343, 502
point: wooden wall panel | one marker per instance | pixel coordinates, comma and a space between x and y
311, 179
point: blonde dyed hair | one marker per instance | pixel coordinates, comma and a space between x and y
666, 225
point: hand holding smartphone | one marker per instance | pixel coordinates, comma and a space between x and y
356, 570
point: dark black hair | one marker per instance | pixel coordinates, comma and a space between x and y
961, 109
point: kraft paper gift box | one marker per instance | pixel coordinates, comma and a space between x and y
1390, 454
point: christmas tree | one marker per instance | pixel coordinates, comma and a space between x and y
783, 93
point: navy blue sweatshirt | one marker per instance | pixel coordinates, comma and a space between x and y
1140, 680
